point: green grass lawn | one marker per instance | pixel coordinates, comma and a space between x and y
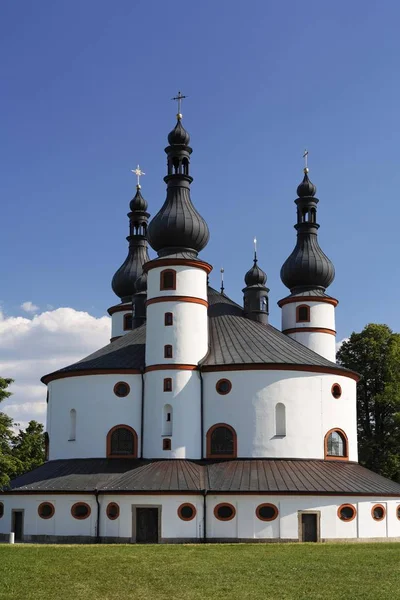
229, 571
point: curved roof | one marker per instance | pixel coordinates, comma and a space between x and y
234, 340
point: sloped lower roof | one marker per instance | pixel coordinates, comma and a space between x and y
266, 476
234, 340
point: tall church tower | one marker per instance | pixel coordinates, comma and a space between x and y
177, 327
131, 312
308, 314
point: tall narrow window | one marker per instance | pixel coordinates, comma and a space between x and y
168, 384
168, 319
72, 425
166, 444
128, 322
303, 314
280, 419
168, 279
221, 441
122, 442
168, 351
336, 445
167, 420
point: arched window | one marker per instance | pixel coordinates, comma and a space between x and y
128, 319
168, 319
168, 384
303, 314
336, 445
167, 420
168, 351
122, 442
168, 279
221, 441
280, 419
72, 425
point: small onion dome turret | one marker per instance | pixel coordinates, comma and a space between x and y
255, 275
307, 267
178, 136
138, 203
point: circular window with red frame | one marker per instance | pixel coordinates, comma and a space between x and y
346, 512
46, 510
378, 512
223, 386
224, 511
121, 389
112, 511
267, 512
81, 510
336, 391
186, 511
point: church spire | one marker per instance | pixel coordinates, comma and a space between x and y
123, 282
256, 293
178, 228
307, 268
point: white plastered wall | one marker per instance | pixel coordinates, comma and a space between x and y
117, 322
98, 409
311, 411
190, 281
322, 315
185, 402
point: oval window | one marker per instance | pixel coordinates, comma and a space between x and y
336, 391
80, 510
224, 512
397, 512
2, 510
186, 512
121, 389
267, 512
46, 510
223, 386
346, 512
112, 511
378, 512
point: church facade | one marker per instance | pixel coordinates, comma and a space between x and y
199, 421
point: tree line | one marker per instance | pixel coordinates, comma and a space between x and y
374, 353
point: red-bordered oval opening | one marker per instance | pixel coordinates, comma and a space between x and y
46, 510
187, 511
267, 512
224, 511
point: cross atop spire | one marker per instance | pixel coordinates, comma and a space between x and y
255, 249
305, 156
179, 99
138, 172
222, 271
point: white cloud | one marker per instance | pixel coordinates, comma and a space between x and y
33, 347
29, 307
340, 342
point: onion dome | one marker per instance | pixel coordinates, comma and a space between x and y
123, 282
307, 268
255, 275
178, 229
141, 284
255, 294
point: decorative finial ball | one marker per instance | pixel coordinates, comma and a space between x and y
138, 186
306, 170
179, 116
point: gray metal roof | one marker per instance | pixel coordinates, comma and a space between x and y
233, 340
252, 475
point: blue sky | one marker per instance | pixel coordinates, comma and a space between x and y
86, 90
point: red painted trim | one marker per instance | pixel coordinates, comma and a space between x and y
109, 506
195, 492
53, 510
223, 381
122, 395
269, 505
280, 367
224, 518
208, 436
340, 388
119, 308
291, 299
167, 384
168, 367
346, 445
383, 513
164, 287
135, 442
309, 330
347, 506
52, 376
171, 262
79, 504
189, 299
179, 511
298, 320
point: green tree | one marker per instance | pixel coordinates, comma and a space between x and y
29, 447
375, 355
9, 464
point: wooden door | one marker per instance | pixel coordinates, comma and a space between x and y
18, 525
147, 525
309, 527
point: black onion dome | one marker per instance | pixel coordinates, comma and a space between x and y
138, 203
255, 275
306, 188
308, 267
141, 284
178, 136
123, 282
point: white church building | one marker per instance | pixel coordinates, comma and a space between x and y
199, 421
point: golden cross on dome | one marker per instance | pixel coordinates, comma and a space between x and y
179, 99
305, 156
138, 172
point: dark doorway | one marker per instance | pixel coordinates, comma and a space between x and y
309, 527
18, 524
147, 525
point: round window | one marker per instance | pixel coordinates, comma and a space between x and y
121, 389
267, 512
112, 511
223, 386
186, 512
224, 512
346, 512
397, 512
378, 512
336, 391
80, 510
46, 510
2, 510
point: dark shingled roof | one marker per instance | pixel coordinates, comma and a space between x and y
267, 476
233, 340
